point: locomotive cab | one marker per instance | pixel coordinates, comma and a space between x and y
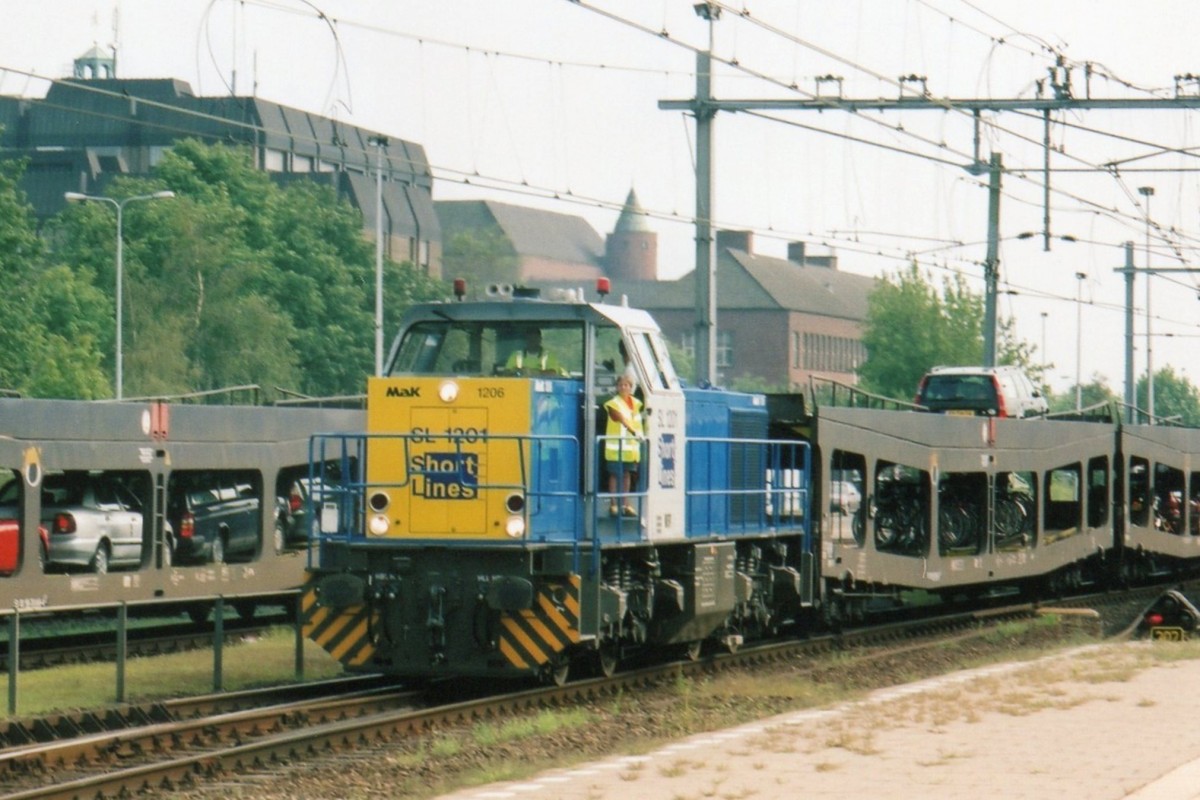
479, 537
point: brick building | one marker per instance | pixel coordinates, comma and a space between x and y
780, 321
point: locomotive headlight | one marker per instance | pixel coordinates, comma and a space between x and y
378, 524
515, 527
379, 501
448, 392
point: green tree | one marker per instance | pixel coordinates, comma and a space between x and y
912, 325
484, 257
53, 320
1091, 394
239, 281
1174, 397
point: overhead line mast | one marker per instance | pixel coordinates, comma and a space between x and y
704, 107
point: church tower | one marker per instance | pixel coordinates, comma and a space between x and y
95, 64
631, 251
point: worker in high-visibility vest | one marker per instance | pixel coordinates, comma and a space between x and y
533, 358
623, 443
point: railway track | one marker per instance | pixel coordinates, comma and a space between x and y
168, 748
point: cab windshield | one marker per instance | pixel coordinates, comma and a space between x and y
553, 350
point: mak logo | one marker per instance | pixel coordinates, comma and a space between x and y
403, 391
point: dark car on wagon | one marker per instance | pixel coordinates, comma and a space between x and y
216, 515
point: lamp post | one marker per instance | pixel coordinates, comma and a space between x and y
119, 205
1148, 192
1045, 359
379, 143
1079, 277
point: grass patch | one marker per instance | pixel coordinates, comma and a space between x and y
267, 661
541, 724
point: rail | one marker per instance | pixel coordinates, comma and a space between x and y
230, 392
1143, 417
829, 392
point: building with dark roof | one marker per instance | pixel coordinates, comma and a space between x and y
95, 127
543, 245
780, 321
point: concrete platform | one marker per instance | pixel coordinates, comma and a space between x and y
1105, 721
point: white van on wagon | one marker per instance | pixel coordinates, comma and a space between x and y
981, 391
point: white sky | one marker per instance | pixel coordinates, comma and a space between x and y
549, 103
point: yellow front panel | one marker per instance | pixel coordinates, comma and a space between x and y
448, 474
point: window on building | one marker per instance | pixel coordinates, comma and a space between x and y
796, 349
687, 343
822, 353
274, 160
156, 154
724, 348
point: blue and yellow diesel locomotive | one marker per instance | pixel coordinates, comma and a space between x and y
478, 528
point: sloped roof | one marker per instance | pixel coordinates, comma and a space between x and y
812, 290
747, 282
633, 218
532, 231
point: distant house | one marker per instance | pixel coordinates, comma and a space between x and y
780, 321
542, 245
94, 127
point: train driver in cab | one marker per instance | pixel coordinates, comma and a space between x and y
533, 358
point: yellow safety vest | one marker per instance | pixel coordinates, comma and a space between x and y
542, 362
621, 444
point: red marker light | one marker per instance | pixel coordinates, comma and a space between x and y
1153, 619
460, 288
603, 287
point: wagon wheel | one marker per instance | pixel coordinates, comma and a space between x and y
858, 526
691, 650
100, 560
885, 529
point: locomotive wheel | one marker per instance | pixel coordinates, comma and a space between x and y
558, 671
606, 660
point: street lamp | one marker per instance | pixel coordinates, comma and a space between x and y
1079, 276
119, 205
1148, 192
379, 142
1045, 359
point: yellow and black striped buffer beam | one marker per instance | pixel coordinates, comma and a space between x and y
531, 637
344, 632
